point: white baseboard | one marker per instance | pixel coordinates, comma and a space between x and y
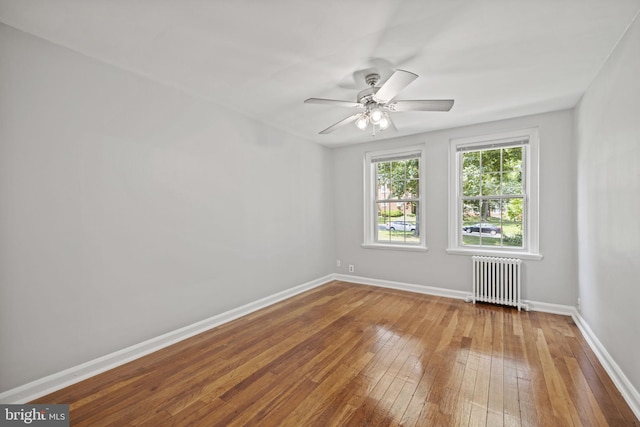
428, 290
51, 383
449, 293
546, 307
628, 391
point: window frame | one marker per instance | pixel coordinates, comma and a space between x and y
531, 174
370, 208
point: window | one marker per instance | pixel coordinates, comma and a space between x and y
493, 195
394, 208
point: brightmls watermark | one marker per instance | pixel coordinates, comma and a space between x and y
34, 415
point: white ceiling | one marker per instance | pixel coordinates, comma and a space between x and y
497, 58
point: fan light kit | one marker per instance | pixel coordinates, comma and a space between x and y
377, 102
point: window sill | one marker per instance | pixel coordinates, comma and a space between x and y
489, 252
414, 248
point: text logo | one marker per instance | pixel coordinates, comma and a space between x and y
34, 415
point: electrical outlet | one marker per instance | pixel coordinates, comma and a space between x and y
351, 268
579, 302
338, 263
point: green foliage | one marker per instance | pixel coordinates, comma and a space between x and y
512, 240
399, 178
492, 172
514, 209
382, 218
391, 214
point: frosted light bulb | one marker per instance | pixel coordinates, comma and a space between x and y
362, 122
384, 123
376, 115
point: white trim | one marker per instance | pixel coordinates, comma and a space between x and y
369, 196
488, 252
398, 247
547, 307
428, 290
51, 383
531, 180
622, 383
544, 307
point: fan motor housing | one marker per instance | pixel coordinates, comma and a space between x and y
366, 96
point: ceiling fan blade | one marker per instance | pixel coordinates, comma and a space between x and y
341, 123
421, 105
333, 102
398, 81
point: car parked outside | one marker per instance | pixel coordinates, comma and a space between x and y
482, 227
400, 226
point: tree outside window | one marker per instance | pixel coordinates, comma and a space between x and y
397, 199
492, 196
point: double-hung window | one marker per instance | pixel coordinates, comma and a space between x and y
494, 195
393, 199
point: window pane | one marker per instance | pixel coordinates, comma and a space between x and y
412, 218
491, 184
491, 160
398, 189
493, 222
471, 160
398, 179
383, 184
471, 173
470, 183
413, 169
512, 183
383, 192
512, 170
512, 217
491, 225
383, 218
512, 159
470, 217
413, 188
482, 222
400, 225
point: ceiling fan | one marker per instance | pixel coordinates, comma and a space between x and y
374, 103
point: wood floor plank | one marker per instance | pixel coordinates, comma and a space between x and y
349, 400
344, 354
495, 405
617, 412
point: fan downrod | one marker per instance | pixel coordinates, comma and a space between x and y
372, 79
365, 97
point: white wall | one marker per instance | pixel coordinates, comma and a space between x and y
552, 280
129, 209
608, 151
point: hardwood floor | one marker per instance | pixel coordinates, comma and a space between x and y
345, 354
